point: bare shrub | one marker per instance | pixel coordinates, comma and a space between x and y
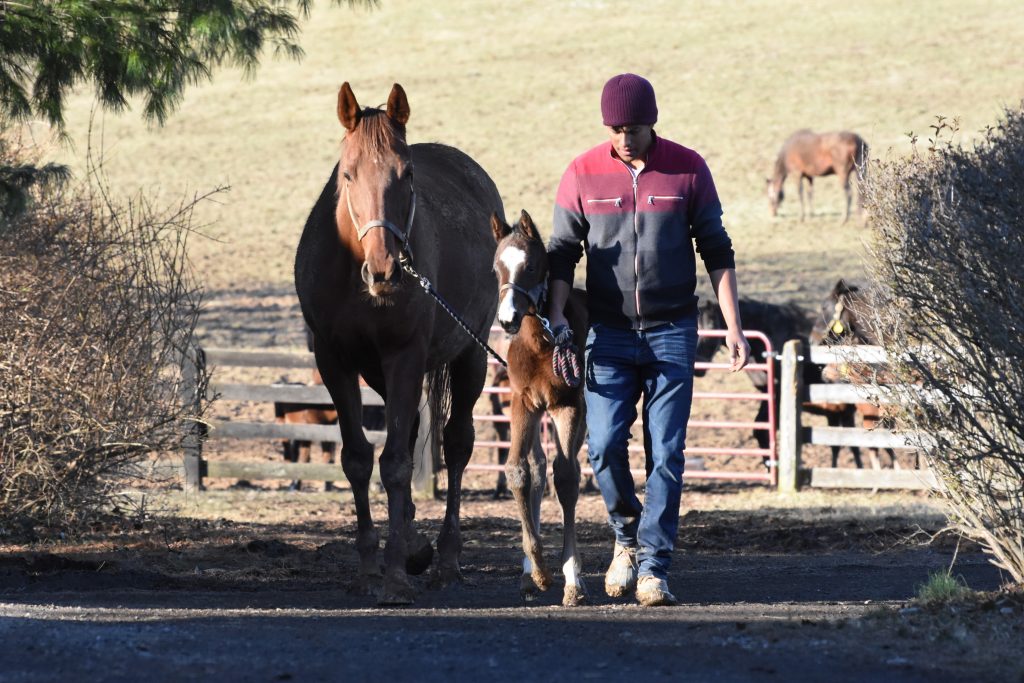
946, 251
98, 308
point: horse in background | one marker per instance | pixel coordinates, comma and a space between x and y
521, 267
842, 321
780, 323
297, 450
389, 206
808, 155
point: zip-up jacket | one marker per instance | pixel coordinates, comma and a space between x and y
641, 267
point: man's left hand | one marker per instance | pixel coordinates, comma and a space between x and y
739, 350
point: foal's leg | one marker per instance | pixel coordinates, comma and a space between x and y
467, 375
569, 425
521, 480
357, 461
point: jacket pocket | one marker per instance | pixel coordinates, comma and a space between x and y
617, 201
664, 198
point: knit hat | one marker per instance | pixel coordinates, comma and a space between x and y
628, 99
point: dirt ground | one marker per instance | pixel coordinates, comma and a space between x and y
253, 584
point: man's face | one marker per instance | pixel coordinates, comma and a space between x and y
632, 141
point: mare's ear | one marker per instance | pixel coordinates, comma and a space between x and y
527, 226
498, 227
398, 105
348, 108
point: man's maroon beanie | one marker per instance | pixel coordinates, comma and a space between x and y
628, 99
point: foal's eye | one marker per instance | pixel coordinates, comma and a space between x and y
347, 176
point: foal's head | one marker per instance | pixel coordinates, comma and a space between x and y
376, 201
521, 265
841, 320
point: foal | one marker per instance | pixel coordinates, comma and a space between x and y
521, 266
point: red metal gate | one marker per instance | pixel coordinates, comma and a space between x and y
694, 426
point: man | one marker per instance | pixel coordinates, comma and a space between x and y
635, 202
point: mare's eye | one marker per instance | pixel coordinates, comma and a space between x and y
347, 176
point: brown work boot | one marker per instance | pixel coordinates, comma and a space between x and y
620, 579
653, 592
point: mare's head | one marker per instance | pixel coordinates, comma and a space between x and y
521, 266
842, 319
376, 200
709, 317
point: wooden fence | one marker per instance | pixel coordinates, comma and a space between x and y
197, 468
793, 433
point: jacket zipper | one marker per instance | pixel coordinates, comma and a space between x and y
636, 249
652, 197
617, 200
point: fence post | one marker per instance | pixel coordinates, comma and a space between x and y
192, 369
424, 481
790, 432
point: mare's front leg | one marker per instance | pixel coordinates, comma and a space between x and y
569, 424
403, 378
357, 461
522, 480
466, 380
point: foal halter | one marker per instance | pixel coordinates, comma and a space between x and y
402, 235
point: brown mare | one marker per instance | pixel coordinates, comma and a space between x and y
368, 319
842, 322
521, 266
808, 154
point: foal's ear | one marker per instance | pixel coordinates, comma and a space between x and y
398, 105
527, 226
498, 227
348, 108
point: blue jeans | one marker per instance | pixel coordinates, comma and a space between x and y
623, 365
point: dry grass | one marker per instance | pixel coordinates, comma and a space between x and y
516, 85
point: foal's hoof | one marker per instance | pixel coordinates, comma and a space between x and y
396, 591
528, 589
421, 554
574, 596
542, 577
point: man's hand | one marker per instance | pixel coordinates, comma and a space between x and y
739, 350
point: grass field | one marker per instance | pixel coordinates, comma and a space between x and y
517, 86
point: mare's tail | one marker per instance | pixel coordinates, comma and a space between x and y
439, 403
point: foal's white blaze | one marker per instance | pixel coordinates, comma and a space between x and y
513, 259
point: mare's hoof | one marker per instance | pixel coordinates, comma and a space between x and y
421, 554
574, 596
367, 584
446, 576
396, 591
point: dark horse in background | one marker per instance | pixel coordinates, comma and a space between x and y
780, 323
808, 155
387, 202
843, 320
521, 266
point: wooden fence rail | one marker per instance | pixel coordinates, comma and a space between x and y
197, 468
793, 434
